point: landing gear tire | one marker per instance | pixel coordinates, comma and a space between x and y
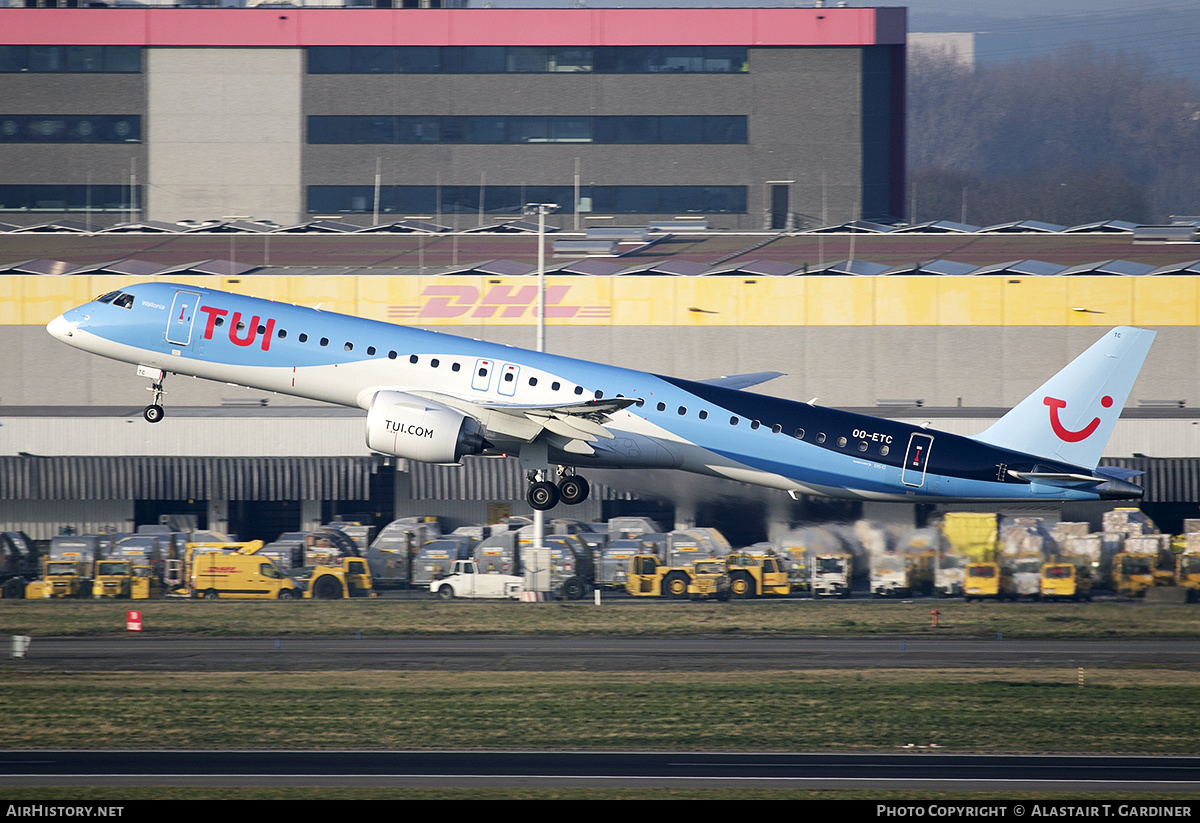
542, 495
153, 413
573, 490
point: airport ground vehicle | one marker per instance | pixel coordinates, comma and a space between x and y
239, 577
832, 575
1063, 580
570, 569
1026, 572
987, 581
391, 554
1131, 574
948, 576
67, 569
19, 564
350, 578
699, 580
465, 580
1188, 573
890, 576
113, 579
752, 575
131, 568
436, 557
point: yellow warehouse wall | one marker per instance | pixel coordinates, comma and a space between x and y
675, 301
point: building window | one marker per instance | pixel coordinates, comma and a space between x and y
78, 198
523, 129
71, 59
473, 199
70, 128
528, 60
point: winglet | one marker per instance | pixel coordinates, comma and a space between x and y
1072, 415
742, 381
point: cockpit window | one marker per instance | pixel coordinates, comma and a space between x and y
121, 299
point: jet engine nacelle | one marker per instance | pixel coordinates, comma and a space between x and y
405, 425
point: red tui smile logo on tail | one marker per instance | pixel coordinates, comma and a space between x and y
1065, 434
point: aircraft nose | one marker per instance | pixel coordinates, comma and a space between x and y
61, 328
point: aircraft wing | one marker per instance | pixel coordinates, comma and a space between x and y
742, 381
572, 426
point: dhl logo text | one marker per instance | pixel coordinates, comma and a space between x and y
446, 302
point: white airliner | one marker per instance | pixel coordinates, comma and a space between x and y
437, 397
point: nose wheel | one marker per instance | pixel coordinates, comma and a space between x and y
154, 412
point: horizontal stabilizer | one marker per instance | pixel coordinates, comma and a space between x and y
1117, 473
1057, 478
742, 381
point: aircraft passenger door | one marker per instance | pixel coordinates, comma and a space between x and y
916, 459
482, 378
507, 384
183, 312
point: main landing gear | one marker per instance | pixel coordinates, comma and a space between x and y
544, 494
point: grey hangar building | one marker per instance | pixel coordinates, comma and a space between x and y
753, 122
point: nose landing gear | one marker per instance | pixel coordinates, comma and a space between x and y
154, 412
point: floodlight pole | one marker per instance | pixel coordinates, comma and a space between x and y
542, 209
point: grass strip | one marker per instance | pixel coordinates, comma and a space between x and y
991, 710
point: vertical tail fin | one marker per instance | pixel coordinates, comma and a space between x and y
1072, 415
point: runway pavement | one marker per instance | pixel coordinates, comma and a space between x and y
596, 653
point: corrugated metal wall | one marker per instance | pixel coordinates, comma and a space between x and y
482, 478
1165, 479
180, 478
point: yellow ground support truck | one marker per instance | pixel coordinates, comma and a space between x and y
988, 581
702, 579
1066, 581
752, 575
352, 578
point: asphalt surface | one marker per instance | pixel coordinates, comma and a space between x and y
920, 769
589, 653
707, 770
